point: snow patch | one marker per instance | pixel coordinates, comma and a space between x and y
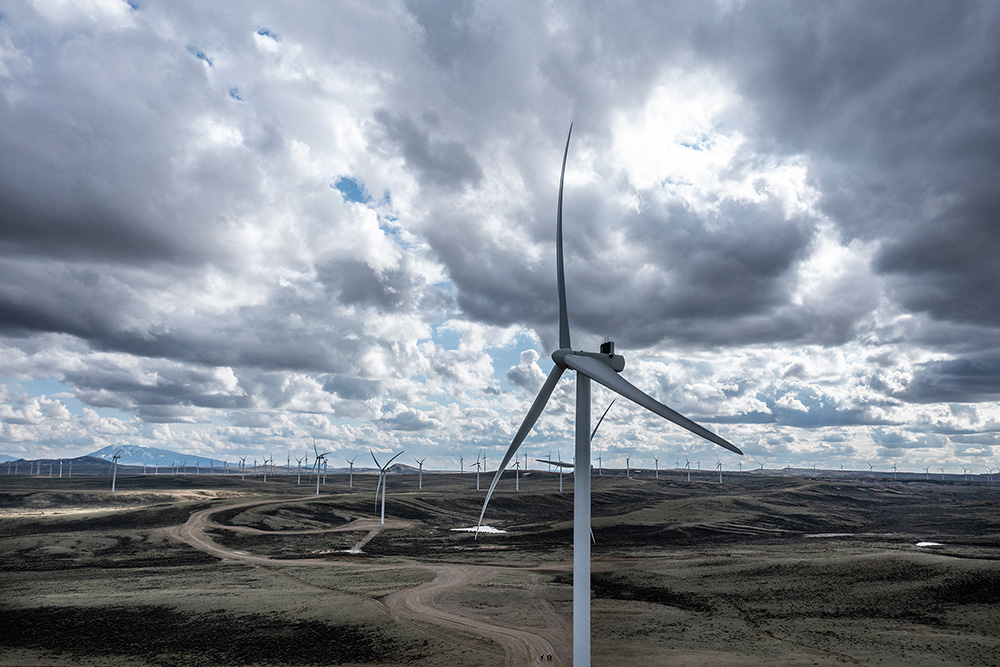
482, 529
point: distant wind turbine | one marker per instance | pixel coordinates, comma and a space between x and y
382, 481
114, 469
479, 466
420, 463
718, 466
628, 468
320, 459
603, 367
656, 462
350, 462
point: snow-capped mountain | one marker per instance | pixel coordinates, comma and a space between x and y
138, 455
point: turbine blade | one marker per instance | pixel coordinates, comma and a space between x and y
594, 432
598, 372
377, 464
377, 487
529, 420
560, 272
558, 464
389, 462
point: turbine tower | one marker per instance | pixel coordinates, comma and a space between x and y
382, 481
603, 367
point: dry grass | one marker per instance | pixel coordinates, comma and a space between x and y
683, 573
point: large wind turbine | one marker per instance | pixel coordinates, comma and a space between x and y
602, 367
382, 481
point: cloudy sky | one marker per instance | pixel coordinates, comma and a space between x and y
230, 228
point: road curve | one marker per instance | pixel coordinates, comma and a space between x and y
421, 603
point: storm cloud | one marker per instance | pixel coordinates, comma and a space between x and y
291, 222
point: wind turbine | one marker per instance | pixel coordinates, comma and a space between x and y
927, 472
421, 478
656, 462
603, 367
350, 462
320, 459
517, 475
114, 469
718, 466
894, 471
600, 464
461, 465
382, 481
687, 466
628, 469
871, 468
478, 467
243, 468
298, 465
558, 463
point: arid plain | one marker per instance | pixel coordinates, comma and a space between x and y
761, 569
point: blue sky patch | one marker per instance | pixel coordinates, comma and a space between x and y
200, 55
352, 190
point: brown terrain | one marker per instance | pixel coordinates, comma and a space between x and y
761, 569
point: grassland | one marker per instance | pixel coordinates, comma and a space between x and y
182, 570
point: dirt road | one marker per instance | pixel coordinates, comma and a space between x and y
421, 603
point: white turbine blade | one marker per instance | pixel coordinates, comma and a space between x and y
529, 421
389, 462
594, 432
560, 272
598, 372
377, 464
377, 487
558, 464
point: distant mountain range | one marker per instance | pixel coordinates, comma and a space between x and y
138, 455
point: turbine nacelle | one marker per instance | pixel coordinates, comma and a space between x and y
615, 362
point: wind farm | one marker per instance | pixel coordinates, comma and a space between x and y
632, 565
734, 573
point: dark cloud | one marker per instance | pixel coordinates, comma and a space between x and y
408, 420
895, 111
353, 282
965, 380
352, 388
442, 163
